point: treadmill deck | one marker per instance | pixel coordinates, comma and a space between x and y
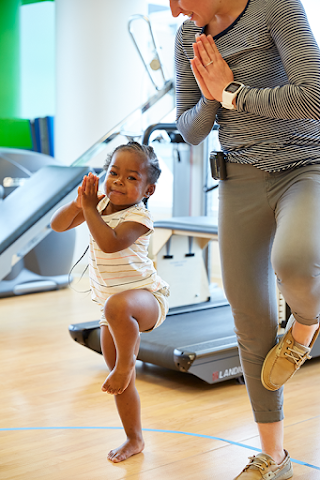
196, 339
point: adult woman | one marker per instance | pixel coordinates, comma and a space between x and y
260, 59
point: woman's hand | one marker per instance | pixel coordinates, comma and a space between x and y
210, 70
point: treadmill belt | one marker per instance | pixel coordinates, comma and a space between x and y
211, 323
198, 332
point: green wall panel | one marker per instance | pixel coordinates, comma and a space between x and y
9, 58
15, 133
26, 2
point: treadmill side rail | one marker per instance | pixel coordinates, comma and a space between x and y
87, 334
218, 368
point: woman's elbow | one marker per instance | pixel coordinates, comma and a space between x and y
189, 136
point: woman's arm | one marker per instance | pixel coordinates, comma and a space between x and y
195, 113
299, 52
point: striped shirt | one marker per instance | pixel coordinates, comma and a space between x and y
272, 51
127, 269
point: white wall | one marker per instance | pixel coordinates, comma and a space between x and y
312, 8
37, 60
98, 79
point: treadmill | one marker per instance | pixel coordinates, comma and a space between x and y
197, 336
196, 339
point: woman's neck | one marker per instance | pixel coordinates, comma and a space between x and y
225, 17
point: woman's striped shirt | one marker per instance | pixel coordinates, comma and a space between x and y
272, 51
127, 269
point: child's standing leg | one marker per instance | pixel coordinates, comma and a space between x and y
127, 313
128, 406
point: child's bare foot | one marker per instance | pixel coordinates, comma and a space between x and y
118, 379
126, 450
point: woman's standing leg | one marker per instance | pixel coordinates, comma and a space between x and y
246, 232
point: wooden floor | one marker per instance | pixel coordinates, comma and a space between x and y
57, 424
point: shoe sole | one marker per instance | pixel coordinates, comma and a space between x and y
266, 385
285, 477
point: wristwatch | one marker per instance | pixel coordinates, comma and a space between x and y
229, 94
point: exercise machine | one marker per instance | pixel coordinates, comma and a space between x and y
33, 258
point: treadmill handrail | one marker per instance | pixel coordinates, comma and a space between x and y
146, 19
115, 131
168, 127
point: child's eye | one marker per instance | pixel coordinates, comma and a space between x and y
112, 172
131, 178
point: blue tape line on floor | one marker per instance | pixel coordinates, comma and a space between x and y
210, 437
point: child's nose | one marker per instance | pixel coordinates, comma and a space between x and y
118, 180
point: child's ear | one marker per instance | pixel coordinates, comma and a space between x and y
150, 190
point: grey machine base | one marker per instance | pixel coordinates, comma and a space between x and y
196, 339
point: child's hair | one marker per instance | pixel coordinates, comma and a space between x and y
143, 150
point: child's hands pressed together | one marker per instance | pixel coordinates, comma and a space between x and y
81, 188
71, 215
88, 192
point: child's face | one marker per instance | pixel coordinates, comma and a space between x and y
126, 180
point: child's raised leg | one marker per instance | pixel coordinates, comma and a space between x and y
128, 405
127, 314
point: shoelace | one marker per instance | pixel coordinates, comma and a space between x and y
260, 463
296, 356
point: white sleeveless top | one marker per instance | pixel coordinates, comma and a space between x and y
126, 269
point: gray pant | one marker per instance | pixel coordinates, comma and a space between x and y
268, 223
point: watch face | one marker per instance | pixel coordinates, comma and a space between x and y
233, 87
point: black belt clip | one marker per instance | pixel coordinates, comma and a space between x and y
218, 165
